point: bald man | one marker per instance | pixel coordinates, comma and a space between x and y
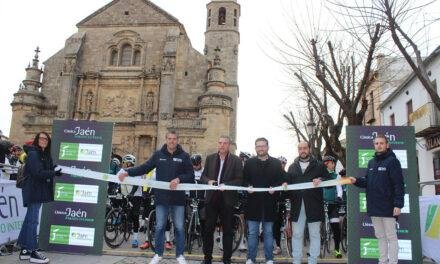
307, 205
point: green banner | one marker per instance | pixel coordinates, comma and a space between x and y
363, 245
74, 222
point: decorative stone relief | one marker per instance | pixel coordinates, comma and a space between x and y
119, 105
168, 64
69, 65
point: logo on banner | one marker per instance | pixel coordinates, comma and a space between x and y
432, 226
68, 192
369, 249
82, 133
392, 138
74, 215
80, 152
72, 235
362, 202
364, 156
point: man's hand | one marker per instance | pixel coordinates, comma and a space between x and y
285, 186
211, 182
352, 179
271, 191
221, 187
250, 190
316, 182
174, 183
396, 211
122, 174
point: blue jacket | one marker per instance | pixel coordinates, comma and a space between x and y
384, 185
38, 186
168, 167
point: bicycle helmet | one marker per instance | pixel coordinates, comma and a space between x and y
129, 159
116, 161
196, 159
282, 159
328, 158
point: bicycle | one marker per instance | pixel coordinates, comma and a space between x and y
194, 227
287, 224
118, 225
151, 227
237, 229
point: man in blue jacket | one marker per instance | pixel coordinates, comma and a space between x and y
385, 197
172, 165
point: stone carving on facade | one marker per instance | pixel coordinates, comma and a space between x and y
69, 65
118, 105
127, 144
165, 116
214, 100
149, 102
168, 64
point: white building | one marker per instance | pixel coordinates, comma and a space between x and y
410, 104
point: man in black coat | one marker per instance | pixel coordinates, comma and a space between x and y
307, 205
222, 167
385, 191
262, 171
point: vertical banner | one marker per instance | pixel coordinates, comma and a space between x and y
74, 222
12, 212
363, 245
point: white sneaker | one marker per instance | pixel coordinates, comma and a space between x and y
249, 261
155, 259
269, 262
181, 259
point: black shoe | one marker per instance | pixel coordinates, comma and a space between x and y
207, 261
37, 257
227, 261
24, 254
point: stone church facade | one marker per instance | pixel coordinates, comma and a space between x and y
132, 63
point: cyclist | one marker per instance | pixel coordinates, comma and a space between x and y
135, 197
333, 196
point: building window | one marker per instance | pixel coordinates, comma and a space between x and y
114, 58
209, 13
235, 22
126, 53
137, 58
409, 110
235, 12
222, 16
209, 22
392, 120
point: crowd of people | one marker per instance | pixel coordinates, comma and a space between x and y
260, 210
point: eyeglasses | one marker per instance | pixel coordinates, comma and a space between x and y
43, 138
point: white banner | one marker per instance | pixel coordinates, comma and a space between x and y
191, 186
12, 212
430, 226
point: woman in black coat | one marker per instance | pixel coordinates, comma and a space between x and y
37, 189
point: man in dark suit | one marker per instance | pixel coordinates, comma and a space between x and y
221, 168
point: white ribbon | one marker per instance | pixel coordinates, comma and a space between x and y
193, 186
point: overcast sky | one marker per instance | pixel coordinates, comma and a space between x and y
264, 96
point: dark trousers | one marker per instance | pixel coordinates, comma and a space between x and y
28, 233
214, 209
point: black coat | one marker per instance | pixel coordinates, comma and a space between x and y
261, 206
313, 198
39, 173
233, 175
384, 185
168, 167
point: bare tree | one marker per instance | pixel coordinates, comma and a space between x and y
393, 16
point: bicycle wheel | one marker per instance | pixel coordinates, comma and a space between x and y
238, 229
344, 234
151, 224
114, 229
191, 233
